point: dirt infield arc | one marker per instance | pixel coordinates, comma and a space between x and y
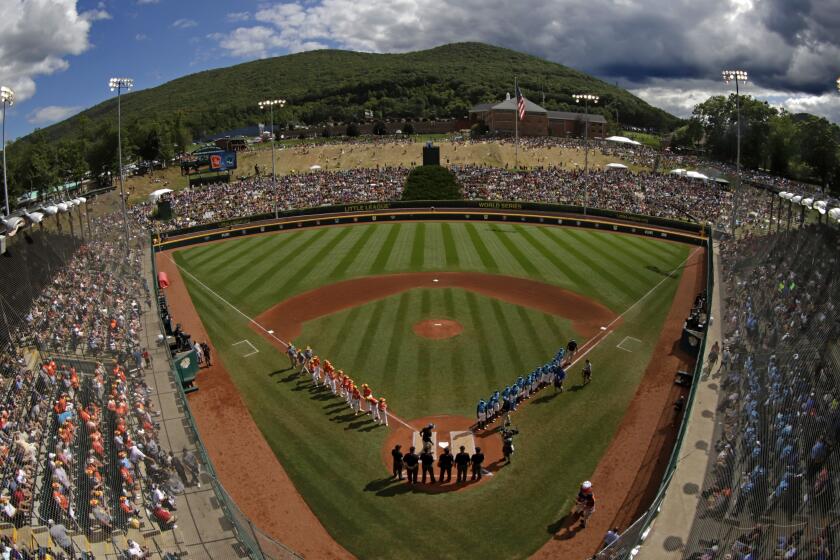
287, 317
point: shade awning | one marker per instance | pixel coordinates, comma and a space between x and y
616, 166
154, 196
622, 140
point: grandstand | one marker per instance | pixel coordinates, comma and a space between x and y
99, 454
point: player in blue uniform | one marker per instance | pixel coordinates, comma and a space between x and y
559, 378
481, 413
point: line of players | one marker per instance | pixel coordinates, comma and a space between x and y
359, 399
506, 401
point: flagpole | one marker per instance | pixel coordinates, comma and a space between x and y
516, 120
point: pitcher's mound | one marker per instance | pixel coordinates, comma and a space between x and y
437, 329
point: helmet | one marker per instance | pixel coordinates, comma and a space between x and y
586, 486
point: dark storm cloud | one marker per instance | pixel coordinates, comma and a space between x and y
787, 45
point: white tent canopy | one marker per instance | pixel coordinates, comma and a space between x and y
52, 209
820, 206
616, 166
807, 202
154, 196
623, 140
35, 217
678, 171
62, 207
834, 214
696, 175
314, 167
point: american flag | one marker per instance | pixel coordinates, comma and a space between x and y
520, 104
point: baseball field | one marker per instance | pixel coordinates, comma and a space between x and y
369, 298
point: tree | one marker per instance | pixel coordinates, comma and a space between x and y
326, 132
818, 144
408, 129
352, 130
479, 129
431, 182
379, 128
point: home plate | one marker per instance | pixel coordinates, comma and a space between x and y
270, 331
603, 328
438, 324
435, 280
443, 444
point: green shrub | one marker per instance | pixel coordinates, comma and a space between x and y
431, 182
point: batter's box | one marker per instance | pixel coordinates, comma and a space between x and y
245, 348
629, 344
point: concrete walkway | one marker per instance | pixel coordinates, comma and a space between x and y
670, 530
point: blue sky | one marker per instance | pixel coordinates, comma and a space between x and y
59, 54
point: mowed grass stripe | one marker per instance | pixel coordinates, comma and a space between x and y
531, 334
651, 248
378, 266
507, 336
524, 262
488, 365
563, 266
281, 263
636, 252
610, 253
449, 248
603, 273
371, 334
487, 259
396, 336
258, 254
418, 246
301, 272
352, 254
234, 251
456, 362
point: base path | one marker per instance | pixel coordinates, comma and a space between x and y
287, 317
629, 474
245, 464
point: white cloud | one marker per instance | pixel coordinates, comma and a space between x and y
141, 37
146, 2
238, 16
51, 114
680, 96
36, 36
786, 46
184, 23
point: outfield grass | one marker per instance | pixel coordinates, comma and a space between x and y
334, 459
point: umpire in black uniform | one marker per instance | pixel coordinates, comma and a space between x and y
412, 463
476, 460
397, 454
428, 462
445, 464
462, 461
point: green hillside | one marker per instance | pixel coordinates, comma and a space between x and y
320, 86
333, 85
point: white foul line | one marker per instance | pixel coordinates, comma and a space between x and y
606, 329
262, 328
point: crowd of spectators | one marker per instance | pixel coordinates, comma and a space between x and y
776, 468
669, 196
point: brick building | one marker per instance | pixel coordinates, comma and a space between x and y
499, 118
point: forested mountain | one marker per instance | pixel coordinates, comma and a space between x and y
319, 86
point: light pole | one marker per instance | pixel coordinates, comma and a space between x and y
737, 76
119, 84
586, 98
270, 103
7, 96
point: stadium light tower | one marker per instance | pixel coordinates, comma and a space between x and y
737, 76
270, 103
7, 96
586, 98
118, 85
